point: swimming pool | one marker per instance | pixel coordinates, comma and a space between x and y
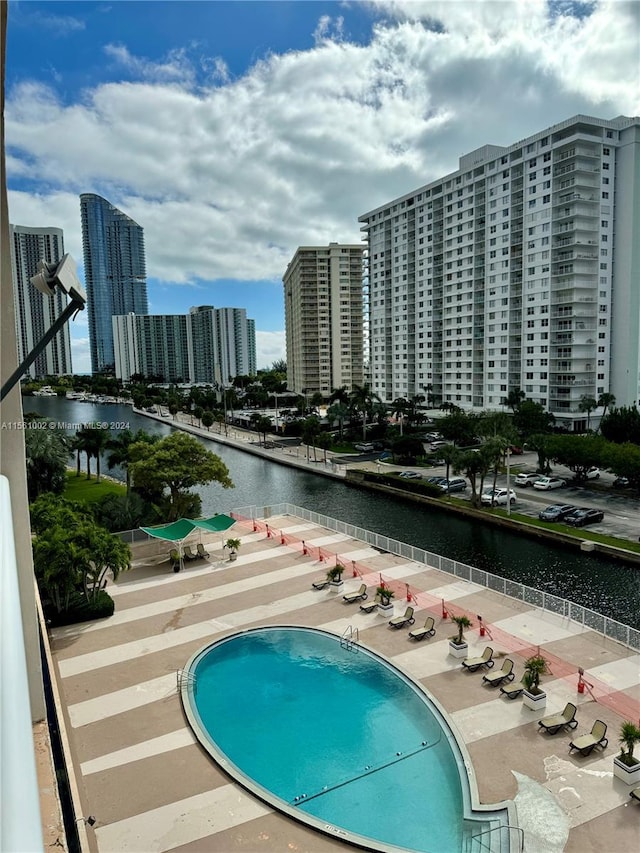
332, 734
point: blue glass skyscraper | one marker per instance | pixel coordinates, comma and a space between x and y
115, 273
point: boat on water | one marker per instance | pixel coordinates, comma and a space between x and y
45, 391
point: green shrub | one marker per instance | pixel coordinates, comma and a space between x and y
80, 610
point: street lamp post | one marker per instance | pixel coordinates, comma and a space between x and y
508, 481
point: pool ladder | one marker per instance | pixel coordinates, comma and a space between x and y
350, 639
183, 676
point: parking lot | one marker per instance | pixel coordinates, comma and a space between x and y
621, 508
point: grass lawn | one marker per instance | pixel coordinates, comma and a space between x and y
87, 491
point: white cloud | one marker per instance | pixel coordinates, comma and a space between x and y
80, 353
58, 25
177, 68
228, 178
270, 346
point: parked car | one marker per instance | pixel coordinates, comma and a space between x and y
435, 480
515, 450
556, 512
620, 482
498, 497
593, 473
526, 479
410, 475
364, 447
546, 483
453, 484
584, 515
436, 445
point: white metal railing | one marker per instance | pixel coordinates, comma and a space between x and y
20, 824
624, 634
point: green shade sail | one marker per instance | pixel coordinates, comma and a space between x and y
180, 529
216, 524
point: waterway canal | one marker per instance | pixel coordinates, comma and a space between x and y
602, 585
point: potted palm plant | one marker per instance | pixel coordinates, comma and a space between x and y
533, 696
233, 545
458, 646
385, 607
626, 766
335, 576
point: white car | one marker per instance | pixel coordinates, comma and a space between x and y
526, 479
410, 475
592, 473
498, 497
547, 483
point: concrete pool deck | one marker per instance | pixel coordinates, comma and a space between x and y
151, 787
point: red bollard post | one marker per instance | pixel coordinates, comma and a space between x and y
482, 628
282, 538
304, 549
445, 614
320, 557
409, 597
353, 569
268, 532
580, 680
255, 526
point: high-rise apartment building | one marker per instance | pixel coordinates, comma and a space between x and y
519, 270
224, 341
324, 315
36, 312
206, 345
115, 273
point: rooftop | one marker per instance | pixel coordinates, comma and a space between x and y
151, 787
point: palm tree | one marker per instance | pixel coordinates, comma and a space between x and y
587, 404
428, 390
93, 443
401, 408
47, 452
362, 399
513, 399
310, 431
75, 446
119, 454
339, 395
605, 400
338, 412
83, 443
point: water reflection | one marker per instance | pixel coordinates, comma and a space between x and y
602, 585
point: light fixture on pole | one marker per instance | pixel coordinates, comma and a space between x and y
49, 277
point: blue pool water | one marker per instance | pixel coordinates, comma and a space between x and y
334, 733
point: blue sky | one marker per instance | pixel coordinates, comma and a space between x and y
235, 131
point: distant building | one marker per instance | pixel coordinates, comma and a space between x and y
518, 270
224, 338
36, 312
207, 345
115, 273
324, 316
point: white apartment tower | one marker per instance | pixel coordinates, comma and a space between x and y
323, 301
207, 345
35, 312
519, 270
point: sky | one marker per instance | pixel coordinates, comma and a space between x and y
236, 131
